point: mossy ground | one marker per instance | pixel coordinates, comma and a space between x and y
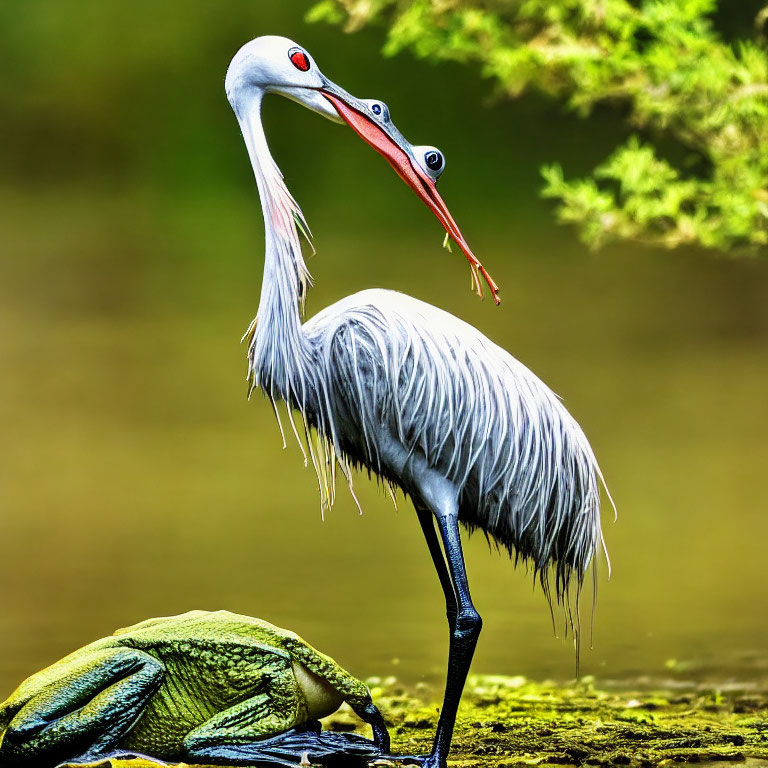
510, 721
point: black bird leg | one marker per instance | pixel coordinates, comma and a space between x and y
465, 632
427, 521
464, 621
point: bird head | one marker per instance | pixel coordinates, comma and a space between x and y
273, 64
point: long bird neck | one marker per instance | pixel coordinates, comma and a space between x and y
278, 354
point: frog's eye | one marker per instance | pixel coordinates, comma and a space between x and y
431, 160
377, 108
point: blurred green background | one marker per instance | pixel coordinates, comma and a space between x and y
135, 479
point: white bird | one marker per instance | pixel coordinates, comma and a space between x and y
412, 393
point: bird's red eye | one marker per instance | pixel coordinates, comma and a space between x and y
299, 59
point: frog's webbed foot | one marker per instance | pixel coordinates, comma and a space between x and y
299, 746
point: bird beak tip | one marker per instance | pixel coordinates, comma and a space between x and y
424, 186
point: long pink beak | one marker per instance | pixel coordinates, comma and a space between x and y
417, 180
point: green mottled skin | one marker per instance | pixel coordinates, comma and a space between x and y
215, 678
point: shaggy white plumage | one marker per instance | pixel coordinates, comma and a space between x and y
380, 365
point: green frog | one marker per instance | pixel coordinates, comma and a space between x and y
211, 687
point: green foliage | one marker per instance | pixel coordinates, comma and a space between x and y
662, 61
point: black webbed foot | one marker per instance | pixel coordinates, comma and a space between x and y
421, 761
296, 747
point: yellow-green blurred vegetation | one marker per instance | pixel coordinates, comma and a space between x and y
699, 174
135, 478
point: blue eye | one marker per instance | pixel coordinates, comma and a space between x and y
378, 108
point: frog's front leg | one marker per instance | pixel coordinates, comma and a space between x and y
237, 737
225, 735
84, 714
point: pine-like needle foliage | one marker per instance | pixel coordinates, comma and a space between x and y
678, 82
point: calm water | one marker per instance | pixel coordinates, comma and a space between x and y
138, 481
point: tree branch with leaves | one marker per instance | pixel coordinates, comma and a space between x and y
662, 61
